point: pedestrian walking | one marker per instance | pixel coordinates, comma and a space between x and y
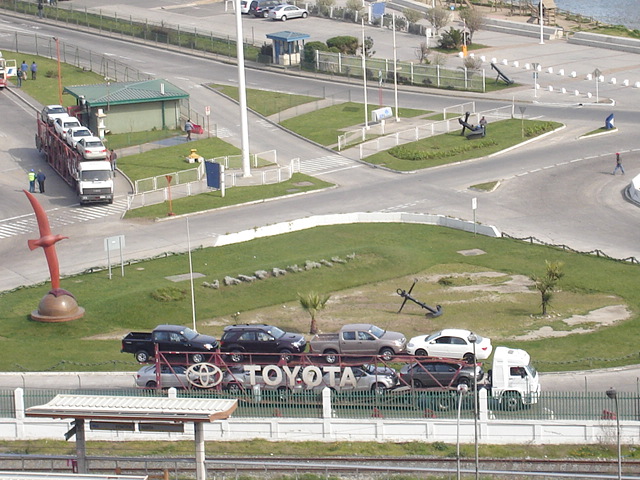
32, 181
188, 126
34, 70
24, 68
483, 123
40, 178
618, 165
19, 77
114, 158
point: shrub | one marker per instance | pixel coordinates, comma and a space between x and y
345, 44
310, 50
168, 294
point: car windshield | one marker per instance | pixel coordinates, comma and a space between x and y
81, 133
432, 336
377, 331
54, 110
94, 144
276, 332
96, 176
71, 124
190, 334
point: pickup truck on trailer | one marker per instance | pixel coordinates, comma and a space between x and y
168, 338
359, 339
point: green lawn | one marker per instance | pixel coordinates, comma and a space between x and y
234, 196
389, 253
166, 160
266, 102
324, 125
453, 147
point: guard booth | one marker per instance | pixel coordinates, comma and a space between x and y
287, 47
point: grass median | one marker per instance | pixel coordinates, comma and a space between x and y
387, 257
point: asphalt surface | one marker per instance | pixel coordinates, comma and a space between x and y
558, 189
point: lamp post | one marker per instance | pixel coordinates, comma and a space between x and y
462, 389
597, 73
611, 393
473, 339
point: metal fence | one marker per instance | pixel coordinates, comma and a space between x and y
400, 404
428, 129
409, 73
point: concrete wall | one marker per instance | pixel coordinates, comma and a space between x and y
522, 29
349, 218
620, 44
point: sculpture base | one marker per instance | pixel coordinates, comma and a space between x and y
57, 306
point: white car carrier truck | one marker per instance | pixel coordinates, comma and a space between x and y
514, 382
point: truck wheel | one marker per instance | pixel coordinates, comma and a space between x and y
417, 383
511, 401
421, 352
151, 384
464, 381
331, 356
379, 388
236, 356
197, 358
468, 357
285, 354
234, 389
142, 356
387, 354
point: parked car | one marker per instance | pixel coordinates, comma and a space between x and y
51, 112
244, 6
439, 373
174, 376
368, 377
76, 133
450, 343
260, 338
287, 12
260, 8
63, 124
91, 148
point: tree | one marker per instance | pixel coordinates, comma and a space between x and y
368, 47
422, 53
324, 6
438, 17
546, 284
472, 64
473, 19
355, 6
312, 303
451, 39
345, 44
412, 15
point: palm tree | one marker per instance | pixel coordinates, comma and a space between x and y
547, 283
313, 302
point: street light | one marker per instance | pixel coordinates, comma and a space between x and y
611, 393
462, 389
473, 338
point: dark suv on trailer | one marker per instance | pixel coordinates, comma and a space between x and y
260, 338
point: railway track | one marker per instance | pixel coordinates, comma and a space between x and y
341, 467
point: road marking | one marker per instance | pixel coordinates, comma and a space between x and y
60, 217
325, 164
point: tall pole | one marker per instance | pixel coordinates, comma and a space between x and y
59, 70
462, 389
613, 394
395, 68
364, 80
193, 297
242, 94
541, 24
473, 339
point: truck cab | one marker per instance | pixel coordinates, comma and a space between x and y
514, 381
95, 182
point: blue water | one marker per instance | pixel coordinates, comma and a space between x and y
613, 12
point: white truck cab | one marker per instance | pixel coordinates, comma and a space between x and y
95, 182
514, 381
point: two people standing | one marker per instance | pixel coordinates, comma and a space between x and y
34, 177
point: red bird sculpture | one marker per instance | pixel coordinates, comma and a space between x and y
47, 241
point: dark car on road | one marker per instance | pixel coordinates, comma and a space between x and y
439, 373
239, 340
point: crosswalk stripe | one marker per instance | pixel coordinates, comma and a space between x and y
59, 217
327, 162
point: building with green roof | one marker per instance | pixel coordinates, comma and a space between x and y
130, 106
